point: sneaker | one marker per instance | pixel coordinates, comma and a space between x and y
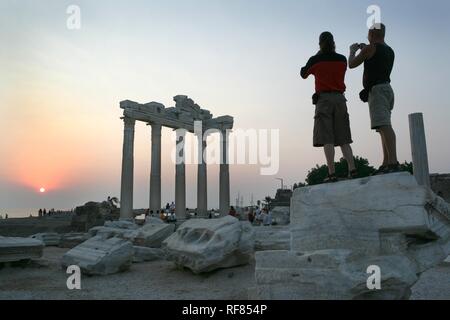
381, 170
392, 168
353, 174
331, 178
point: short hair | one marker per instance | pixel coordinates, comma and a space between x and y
378, 30
326, 41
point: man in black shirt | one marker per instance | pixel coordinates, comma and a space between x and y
378, 59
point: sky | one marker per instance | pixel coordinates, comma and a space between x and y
60, 89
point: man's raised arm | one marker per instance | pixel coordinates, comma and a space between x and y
356, 60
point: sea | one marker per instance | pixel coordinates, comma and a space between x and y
23, 212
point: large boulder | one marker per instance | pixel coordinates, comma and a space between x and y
204, 245
17, 249
48, 238
100, 256
339, 230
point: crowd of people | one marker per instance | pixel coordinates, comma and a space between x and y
255, 216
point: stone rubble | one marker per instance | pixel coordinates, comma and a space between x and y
339, 230
204, 245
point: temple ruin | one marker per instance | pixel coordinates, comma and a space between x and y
182, 116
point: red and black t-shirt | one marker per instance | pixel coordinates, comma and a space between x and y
329, 71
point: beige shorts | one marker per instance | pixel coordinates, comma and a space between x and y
381, 103
331, 121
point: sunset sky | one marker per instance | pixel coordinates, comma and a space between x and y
60, 89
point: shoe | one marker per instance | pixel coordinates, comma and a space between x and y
381, 170
353, 174
392, 168
331, 178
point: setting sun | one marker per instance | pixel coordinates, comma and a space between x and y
42, 190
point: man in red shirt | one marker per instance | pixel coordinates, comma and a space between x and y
331, 120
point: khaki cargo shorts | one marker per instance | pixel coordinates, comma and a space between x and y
331, 121
381, 103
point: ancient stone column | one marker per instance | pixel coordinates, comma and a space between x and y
202, 193
419, 149
224, 181
155, 170
126, 188
180, 175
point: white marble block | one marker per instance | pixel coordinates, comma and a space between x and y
204, 245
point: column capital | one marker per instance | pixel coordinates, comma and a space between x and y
128, 121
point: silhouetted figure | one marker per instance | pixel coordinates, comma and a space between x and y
232, 212
40, 213
44, 212
331, 121
378, 59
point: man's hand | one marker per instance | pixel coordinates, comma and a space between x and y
366, 53
354, 47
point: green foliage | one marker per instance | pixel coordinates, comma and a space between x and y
319, 173
407, 166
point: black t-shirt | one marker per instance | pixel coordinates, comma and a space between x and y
377, 70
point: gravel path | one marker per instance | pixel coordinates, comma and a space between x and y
149, 280
161, 280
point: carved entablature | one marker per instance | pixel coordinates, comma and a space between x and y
183, 115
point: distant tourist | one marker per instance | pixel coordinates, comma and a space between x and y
40, 213
267, 218
162, 215
44, 212
251, 216
232, 212
331, 121
6, 216
378, 59
262, 216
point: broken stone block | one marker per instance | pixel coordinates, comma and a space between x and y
48, 238
72, 239
272, 238
149, 235
100, 256
153, 220
142, 254
17, 249
204, 245
388, 221
121, 224
330, 274
281, 215
152, 235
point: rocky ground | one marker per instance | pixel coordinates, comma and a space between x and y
45, 279
148, 280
